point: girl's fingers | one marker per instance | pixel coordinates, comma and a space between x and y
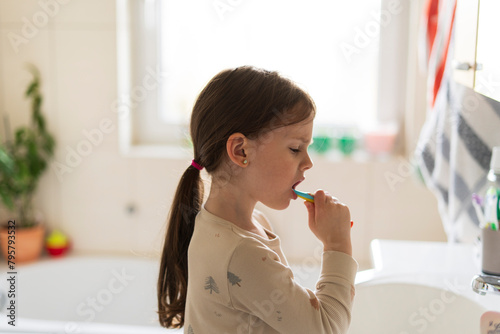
310, 213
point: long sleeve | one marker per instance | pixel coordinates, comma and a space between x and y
261, 285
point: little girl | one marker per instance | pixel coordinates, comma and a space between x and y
222, 269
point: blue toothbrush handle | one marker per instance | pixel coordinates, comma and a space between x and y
304, 195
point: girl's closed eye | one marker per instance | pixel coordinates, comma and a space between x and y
295, 150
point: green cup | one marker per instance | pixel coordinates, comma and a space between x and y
347, 144
321, 144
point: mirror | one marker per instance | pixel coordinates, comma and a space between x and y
487, 81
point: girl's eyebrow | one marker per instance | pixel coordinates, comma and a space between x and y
304, 140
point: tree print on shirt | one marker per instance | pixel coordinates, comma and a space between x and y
211, 285
190, 330
233, 279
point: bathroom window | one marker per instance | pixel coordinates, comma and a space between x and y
174, 47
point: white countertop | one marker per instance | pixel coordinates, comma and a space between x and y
435, 257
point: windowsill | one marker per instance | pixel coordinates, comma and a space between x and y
175, 152
378, 145
178, 152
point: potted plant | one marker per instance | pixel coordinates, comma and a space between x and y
23, 159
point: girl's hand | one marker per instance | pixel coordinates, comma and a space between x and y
330, 221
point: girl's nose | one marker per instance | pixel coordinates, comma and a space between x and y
308, 163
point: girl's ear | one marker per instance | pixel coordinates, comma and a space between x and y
237, 145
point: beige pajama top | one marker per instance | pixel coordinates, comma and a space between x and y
240, 282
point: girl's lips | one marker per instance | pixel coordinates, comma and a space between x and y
297, 183
294, 195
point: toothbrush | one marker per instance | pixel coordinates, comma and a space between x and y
478, 199
309, 198
476, 203
305, 196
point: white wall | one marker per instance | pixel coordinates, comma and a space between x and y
75, 49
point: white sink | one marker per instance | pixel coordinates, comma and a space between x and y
401, 308
415, 287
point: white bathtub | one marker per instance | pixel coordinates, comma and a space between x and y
83, 294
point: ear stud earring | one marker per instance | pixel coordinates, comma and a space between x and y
245, 161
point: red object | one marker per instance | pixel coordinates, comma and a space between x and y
442, 61
57, 251
437, 40
431, 12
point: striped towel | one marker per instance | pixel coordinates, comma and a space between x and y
462, 126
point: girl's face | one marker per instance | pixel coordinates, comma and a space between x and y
278, 162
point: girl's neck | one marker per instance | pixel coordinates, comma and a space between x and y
233, 205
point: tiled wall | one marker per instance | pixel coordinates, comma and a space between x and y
73, 43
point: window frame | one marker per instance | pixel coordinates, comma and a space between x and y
391, 96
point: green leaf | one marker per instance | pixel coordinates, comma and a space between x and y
6, 162
40, 122
48, 145
6, 198
20, 136
32, 88
37, 102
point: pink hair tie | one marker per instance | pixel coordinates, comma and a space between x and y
196, 165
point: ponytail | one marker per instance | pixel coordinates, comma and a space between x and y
173, 276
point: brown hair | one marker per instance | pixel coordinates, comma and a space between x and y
248, 100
